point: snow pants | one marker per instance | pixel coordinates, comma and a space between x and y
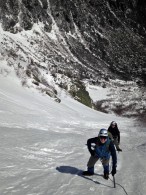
93, 160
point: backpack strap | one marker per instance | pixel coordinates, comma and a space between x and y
108, 143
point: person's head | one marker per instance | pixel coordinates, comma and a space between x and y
103, 135
113, 124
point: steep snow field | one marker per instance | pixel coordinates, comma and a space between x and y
43, 146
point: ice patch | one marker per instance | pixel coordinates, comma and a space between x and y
123, 134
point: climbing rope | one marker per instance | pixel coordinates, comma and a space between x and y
119, 185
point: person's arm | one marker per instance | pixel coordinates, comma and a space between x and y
118, 136
114, 157
89, 145
109, 130
110, 136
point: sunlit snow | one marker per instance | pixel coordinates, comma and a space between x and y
43, 145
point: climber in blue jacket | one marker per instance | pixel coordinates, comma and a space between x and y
102, 149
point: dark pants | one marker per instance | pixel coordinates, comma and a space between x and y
93, 160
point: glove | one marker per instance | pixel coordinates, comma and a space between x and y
113, 171
92, 152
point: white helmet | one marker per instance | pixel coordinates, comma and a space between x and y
103, 132
113, 123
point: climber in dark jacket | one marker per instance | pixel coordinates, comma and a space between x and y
113, 129
102, 148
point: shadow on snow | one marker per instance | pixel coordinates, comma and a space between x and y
75, 171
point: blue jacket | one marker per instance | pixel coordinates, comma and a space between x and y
102, 150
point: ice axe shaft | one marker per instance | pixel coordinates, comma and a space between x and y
114, 181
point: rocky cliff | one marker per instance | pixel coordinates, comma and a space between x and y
103, 35
94, 39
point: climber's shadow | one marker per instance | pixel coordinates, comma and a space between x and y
76, 171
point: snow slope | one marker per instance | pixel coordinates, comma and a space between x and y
42, 146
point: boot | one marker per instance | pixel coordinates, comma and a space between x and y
87, 173
119, 149
106, 176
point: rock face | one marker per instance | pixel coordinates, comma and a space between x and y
24, 12
102, 37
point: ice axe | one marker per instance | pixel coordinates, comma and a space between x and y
114, 181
